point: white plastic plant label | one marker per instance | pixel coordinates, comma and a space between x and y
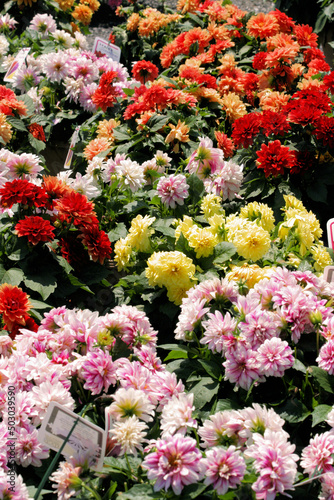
330, 233
16, 64
84, 438
104, 48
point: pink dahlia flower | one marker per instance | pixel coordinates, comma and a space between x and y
173, 190
175, 463
224, 469
99, 371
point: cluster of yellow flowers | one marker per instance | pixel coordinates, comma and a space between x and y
253, 232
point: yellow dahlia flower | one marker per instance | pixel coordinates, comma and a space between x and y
203, 241
122, 253
140, 233
252, 242
260, 213
217, 226
321, 257
169, 269
250, 274
211, 205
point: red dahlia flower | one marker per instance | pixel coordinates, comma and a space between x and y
14, 305
37, 131
244, 129
275, 158
97, 243
145, 71
35, 228
75, 207
324, 131
24, 192
105, 94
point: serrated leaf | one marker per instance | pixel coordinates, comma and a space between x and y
224, 251
119, 232
225, 404
323, 378
13, 276
42, 284
16, 123
211, 367
38, 304
179, 354
293, 411
320, 413
204, 391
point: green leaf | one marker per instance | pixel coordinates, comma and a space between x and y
196, 19
156, 122
179, 354
226, 404
320, 413
37, 304
19, 253
76, 282
323, 378
139, 492
43, 284
121, 134
293, 411
204, 391
2, 272
193, 491
16, 123
223, 252
196, 188
36, 143
299, 366
164, 226
13, 276
119, 232
128, 92
320, 22
211, 367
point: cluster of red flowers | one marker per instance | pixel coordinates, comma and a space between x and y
157, 97
68, 208
306, 111
105, 95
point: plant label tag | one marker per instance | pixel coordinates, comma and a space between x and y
104, 48
329, 274
85, 438
330, 233
16, 64
74, 140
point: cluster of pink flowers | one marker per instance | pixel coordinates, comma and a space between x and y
77, 347
70, 68
253, 332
